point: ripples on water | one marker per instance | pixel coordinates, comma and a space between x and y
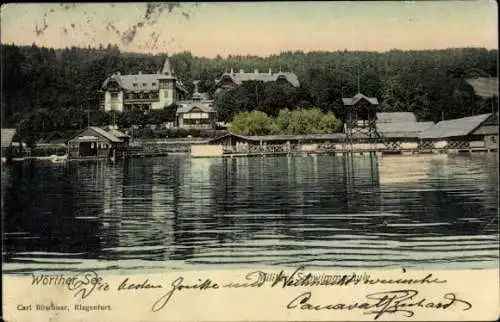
178, 212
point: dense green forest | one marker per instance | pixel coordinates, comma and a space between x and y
45, 89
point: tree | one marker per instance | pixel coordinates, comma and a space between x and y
299, 121
251, 123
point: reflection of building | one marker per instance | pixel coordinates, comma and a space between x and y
232, 79
143, 91
467, 133
197, 112
406, 169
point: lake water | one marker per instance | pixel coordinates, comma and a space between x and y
176, 212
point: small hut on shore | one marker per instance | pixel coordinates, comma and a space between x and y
96, 143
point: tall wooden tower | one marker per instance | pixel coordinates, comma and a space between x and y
361, 116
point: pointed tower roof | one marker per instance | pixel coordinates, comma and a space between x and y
167, 70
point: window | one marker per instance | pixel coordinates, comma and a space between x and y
134, 84
143, 84
153, 84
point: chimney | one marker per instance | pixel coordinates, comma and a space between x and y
256, 71
232, 72
118, 73
241, 71
140, 72
270, 72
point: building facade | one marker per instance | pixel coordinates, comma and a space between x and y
96, 143
232, 79
478, 132
143, 92
197, 113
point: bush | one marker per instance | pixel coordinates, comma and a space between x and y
299, 121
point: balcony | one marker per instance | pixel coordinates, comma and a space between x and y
140, 100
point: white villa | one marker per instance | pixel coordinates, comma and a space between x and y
143, 91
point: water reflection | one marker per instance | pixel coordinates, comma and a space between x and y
176, 211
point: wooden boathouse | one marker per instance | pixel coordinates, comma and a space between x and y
397, 132
467, 134
400, 132
96, 143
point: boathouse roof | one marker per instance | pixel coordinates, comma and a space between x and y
456, 127
396, 117
298, 137
484, 86
7, 137
349, 101
96, 131
403, 129
119, 134
284, 138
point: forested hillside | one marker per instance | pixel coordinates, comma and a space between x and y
49, 89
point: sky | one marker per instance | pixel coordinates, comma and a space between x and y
254, 28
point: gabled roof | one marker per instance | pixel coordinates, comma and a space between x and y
241, 77
7, 137
107, 135
484, 86
396, 117
118, 133
403, 129
100, 132
357, 98
456, 127
166, 68
143, 82
187, 106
